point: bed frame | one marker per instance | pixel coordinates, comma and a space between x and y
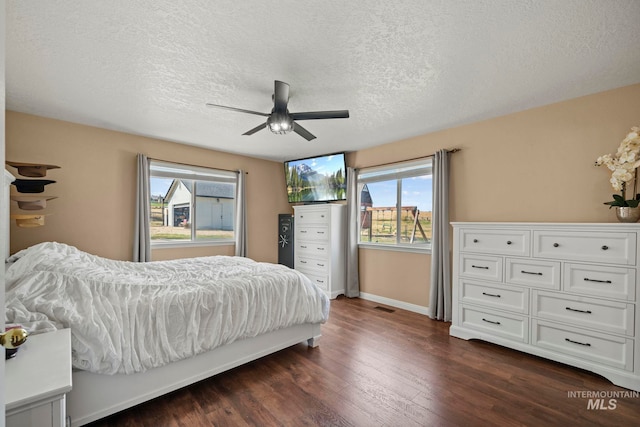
96, 396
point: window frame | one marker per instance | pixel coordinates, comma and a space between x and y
398, 172
163, 169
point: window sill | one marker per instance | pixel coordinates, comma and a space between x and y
396, 248
190, 244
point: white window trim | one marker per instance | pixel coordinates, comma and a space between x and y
403, 247
190, 243
396, 171
161, 169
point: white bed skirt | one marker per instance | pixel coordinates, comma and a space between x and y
96, 396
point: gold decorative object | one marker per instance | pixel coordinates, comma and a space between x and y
13, 338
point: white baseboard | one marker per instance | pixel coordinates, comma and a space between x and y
395, 303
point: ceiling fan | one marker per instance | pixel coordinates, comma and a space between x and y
280, 120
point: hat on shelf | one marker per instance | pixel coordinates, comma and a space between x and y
31, 185
32, 170
32, 203
28, 220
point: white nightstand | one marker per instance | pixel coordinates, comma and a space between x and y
37, 379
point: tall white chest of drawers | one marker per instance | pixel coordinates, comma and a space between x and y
566, 292
320, 245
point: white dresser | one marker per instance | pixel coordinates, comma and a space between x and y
320, 245
566, 292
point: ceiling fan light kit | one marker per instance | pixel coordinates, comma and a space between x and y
280, 121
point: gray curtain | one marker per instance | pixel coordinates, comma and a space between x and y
241, 216
353, 280
440, 295
142, 238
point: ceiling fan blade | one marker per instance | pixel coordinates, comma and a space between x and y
240, 110
303, 132
313, 115
256, 129
280, 96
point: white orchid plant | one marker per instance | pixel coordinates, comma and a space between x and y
623, 166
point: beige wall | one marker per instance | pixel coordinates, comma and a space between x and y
536, 165
97, 180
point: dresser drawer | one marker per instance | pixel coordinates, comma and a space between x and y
601, 281
312, 249
485, 267
317, 233
312, 265
614, 248
503, 242
591, 313
510, 298
533, 272
321, 280
512, 327
608, 350
312, 216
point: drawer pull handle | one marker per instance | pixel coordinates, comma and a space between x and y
321, 249
586, 344
320, 265
303, 231
491, 295
320, 232
555, 245
475, 240
509, 242
530, 272
490, 321
303, 262
578, 311
303, 246
480, 266
586, 279
605, 247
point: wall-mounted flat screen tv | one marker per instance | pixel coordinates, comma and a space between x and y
316, 179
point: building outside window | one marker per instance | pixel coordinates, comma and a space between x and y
395, 205
191, 204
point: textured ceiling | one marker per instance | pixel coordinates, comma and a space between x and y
402, 68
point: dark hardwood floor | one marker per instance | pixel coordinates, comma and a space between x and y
380, 368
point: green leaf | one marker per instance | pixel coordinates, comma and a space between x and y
618, 198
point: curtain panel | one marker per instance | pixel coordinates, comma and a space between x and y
142, 238
353, 281
440, 292
241, 216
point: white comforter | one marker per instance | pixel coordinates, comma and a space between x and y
127, 317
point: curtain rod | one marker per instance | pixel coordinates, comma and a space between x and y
453, 150
197, 166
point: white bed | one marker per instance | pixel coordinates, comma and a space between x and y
140, 330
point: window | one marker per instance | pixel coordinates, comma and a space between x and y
395, 205
191, 204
